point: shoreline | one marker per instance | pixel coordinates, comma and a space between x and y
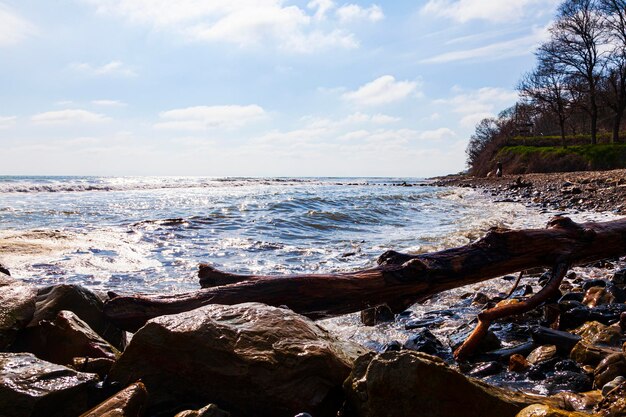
596, 191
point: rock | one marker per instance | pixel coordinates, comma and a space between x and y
98, 366
614, 403
210, 410
63, 339
619, 277
596, 296
588, 354
393, 346
480, 298
567, 365
594, 332
594, 283
578, 401
611, 385
567, 381
483, 369
505, 353
609, 368
424, 322
538, 410
82, 302
541, 354
564, 341
36, 388
129, 402
375, 315
399, 384
17, 306
249, 358
425, 341
4, 270
517, 363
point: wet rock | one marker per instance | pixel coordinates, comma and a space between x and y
563, 341
425, 322
567, 381
505, 353
611, 385
17, 306
129, 402
483, 369
541, 370
572, 296
596, 296
522, 291
82, 302
210, 410
98, 366
567, 365
573, 314
539, 410
249, 358
399, 384
4, 270
607, 313
488, 343
480, 298
518, 363
619, 277
63, 339
36, 388
393, 346
578, 401
589, 354
614, 403
609, 368
594, 283
594, 332
541, 354
426, 342
375, 315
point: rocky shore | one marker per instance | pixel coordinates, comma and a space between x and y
61, 356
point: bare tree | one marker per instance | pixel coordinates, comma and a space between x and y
614, 84
575, 49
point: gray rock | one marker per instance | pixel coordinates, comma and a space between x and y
36, 388
17, 306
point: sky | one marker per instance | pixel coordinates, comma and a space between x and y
256, 87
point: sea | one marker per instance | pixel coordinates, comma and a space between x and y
148, 234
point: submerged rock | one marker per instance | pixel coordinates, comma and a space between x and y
425, 341
63, 339
129, 402
611, 367
17, 306
541, 354
399, 384
250, 359
82, 302
36, 388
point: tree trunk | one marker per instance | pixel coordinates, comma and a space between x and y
399, 280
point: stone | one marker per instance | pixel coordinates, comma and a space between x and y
541, 354
250, 359
614, 403
619, 277
129, 402
578, 401
375, 315
567, 381
614, 383
539, 410
483, 369
611, 367
17, 306
406, 383
63, 339
4, 270
210, 410
98, 366
594, 332
32, 387
425, 341
596, 296
588, 354
517, 363
82, 302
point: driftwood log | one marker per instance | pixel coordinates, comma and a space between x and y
399, 280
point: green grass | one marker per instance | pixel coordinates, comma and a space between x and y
601, 156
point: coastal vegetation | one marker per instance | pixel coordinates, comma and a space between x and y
569, 115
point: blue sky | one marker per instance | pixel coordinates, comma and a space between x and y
256, 87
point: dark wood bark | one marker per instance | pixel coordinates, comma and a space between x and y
399, 280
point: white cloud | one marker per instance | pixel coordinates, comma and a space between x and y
109, 103
494, 11
13, 28
475, 105
113, 68
495, 51
352, 12
7, 121
242, 22
204, 117
438, 134
382, 90
69, 116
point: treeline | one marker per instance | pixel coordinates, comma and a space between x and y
576, 92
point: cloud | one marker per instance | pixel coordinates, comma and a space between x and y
13, 28
109, 103
463, 11
244, 22
352, 12
69, 116
205, 117
495, 51
475, 105
383, 90
7, 121
113, 68
437, 134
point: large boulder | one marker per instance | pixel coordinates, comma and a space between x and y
30, 387
405, 383
17, 306
250, 359
82, 302
129, 402
62, 340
